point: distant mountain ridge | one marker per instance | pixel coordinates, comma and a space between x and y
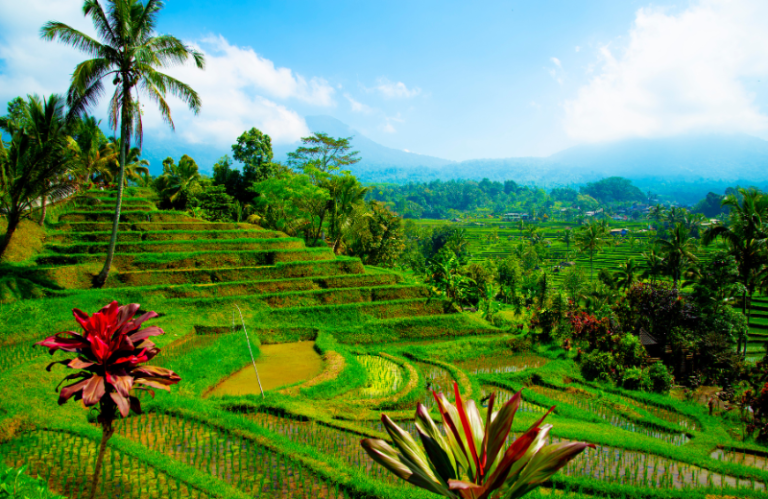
706, 162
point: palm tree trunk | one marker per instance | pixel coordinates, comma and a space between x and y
13, 223
749, 317
101, 279
42, 210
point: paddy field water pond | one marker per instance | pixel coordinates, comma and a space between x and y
279, 365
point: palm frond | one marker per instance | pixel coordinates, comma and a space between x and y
53, 30
169, 84
93, 9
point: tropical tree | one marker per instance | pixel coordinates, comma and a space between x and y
35, 161
129, 53
591, 239
654, 265
136, 169
625, 276
293, 203
377, 237
656, 213
324, 153
745, 236
678, 251
467, 460
567, 238
347, 206
458, 242
93, 154
177, 179
109, 354
254, 150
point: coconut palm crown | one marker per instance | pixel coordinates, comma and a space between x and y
128, 52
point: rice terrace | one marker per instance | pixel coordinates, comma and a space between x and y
208, 290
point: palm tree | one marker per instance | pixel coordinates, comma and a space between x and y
136, 169
36, 161
654, 263
625, 276
93, 154
347, 206
678, 250
567, 238
745, 236
656, 213
458, 242
591, 239
177, 179
129, 54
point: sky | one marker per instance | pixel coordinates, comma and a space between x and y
456, 80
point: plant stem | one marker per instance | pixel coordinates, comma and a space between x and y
107, 430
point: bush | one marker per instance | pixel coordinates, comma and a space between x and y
661, 379
598, 365
635, 378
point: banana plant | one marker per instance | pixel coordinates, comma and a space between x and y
466, 460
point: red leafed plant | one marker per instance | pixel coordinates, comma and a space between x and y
109, 353
467, 460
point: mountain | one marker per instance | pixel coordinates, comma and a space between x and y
693, 164
377, 160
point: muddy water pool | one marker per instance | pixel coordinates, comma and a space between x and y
279, 365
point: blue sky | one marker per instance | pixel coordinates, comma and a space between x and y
448, 79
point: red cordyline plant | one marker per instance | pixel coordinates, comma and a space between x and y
109, 352
467, 462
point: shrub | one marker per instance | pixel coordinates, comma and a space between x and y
661, 378
598, 365
635, 378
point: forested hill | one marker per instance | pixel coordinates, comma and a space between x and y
689, 166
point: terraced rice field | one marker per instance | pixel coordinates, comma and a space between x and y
241, 462
57, 458
333, 319
746, 458
611, 412
501, 364
383, 377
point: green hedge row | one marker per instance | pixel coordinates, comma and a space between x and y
192, 260
243, 244
280, 270
131, 236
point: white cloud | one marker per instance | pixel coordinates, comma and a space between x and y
394, 90
242, 67
239, 88
678, 73
358, 107
556, 61
577, 48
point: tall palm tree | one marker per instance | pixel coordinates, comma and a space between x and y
678, 250
567, 238
129, 54
746, 236
36, 161
625, 276
591, 239
656, 213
